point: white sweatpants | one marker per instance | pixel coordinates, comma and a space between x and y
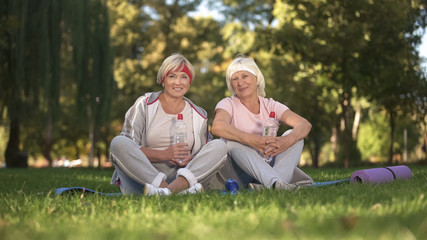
246, 165
133, 169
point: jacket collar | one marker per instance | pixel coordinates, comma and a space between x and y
154, 97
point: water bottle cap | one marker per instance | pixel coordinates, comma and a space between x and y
272, 115
180, 116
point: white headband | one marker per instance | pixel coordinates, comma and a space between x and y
239, 67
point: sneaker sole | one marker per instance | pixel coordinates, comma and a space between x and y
289, 187
201, 189
256, 187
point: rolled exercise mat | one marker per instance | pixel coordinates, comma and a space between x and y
381, 175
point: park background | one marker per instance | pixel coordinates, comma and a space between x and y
69, 70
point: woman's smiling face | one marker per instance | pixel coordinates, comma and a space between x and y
244, 84
176, 84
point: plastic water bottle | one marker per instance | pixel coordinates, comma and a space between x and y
270, 129
232, 186
180, 131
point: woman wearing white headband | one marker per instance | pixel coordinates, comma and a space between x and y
239, 120
145, 156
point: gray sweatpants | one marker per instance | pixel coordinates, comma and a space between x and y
246, 165
133, 169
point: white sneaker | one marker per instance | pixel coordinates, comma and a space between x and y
256, 186
150, 190
197, 188
279, 185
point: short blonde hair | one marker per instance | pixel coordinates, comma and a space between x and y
242, 62
174, 62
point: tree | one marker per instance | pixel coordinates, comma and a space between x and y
374, 142
251, 31
31, 64
89, 27
31, 36
391, 60
144, 33
337, 35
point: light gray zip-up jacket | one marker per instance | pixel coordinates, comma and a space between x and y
140, 115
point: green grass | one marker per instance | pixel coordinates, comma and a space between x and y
29, 209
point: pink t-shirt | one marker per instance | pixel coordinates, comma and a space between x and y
245, 120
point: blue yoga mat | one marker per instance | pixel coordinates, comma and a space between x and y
64, 190
320, 184
60, 191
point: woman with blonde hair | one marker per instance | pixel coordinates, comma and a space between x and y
239, 120
145, 157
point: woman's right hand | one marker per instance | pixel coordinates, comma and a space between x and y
258, 142
177, 151
222, 127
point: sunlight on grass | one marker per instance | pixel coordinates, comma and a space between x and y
29, 209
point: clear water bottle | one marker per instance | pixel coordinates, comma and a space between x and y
270, 129
180, 131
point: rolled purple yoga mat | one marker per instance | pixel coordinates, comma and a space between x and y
381, 175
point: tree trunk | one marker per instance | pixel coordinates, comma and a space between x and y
92, 143
76, 147
98, 155
93, 138
107, 145
46, 152
14, 157
334, 142
316, 153
425, 146
347, 148
392, 123
356, 122
346, 136
313, 148
48, 143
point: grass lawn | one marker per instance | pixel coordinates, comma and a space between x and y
30, 209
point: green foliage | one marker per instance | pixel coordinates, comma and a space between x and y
34, 52
320, 58
374, 139
363, 47
249, 12
29, 209
89, 28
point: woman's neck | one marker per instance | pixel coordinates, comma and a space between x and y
171, 105
251, 103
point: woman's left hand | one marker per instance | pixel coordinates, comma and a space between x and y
276, 145
182, 162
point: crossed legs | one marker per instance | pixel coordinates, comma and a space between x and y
134, 169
